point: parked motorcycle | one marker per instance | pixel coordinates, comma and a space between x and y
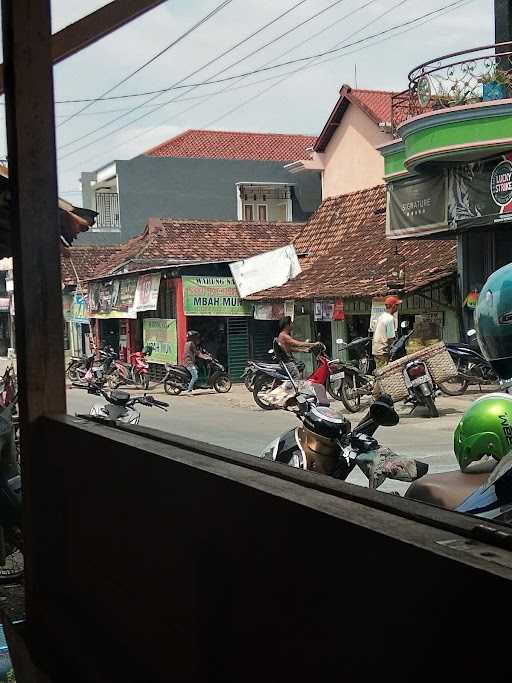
472, 368
177, 378
135, 372
325, 443
120, 406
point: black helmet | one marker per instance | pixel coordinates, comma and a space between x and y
191, 334
147, 350
493, 321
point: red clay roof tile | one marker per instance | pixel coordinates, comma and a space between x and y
348, 254
84, 261
217, 144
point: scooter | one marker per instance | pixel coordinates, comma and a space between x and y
136, 372
177, 378
472, 368
254, 369
120, 406
325, 444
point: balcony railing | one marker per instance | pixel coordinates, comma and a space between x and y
107, 206
465, 77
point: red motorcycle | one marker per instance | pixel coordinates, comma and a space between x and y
135, 372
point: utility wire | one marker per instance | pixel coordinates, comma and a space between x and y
168, 47
427, 17
300, 60
180, 82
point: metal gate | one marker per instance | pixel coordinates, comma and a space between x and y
238, 346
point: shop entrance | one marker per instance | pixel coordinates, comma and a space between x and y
225, 338
110, 333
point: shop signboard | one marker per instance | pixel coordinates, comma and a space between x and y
160, 334
79, 309
124, 298
417, 206
146, 294
213, 296
481, 193
324, 310
67, 303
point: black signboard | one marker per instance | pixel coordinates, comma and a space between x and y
417, 206
480, 193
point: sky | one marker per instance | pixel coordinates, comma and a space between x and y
271, 101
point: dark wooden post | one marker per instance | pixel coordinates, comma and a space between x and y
503, 20
35, 237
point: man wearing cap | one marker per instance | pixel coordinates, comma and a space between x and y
385, 332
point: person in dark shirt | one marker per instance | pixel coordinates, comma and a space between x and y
191, 353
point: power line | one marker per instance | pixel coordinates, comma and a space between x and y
179, 83
290, 74
287, 63
168, 47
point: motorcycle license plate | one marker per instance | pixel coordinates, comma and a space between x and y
419, 380
337, 375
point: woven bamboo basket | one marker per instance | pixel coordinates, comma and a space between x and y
436, 358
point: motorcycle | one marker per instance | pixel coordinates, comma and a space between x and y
135, 372
120, 406
472, 368
254, 369
177, 378
326, 444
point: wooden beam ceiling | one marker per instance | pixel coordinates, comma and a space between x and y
93, 27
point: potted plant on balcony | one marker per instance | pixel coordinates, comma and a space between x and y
496, 84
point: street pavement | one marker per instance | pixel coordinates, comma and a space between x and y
234, 421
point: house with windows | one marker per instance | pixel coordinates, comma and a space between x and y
203, 175
346, 151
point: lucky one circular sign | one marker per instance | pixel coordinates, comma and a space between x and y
501, 183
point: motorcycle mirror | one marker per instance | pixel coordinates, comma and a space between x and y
404, 324
383, 412
471, 333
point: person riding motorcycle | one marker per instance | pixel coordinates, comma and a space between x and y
191, 353
289, 344
485, 430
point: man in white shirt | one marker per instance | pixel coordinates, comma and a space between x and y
385, 332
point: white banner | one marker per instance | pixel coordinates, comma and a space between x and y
271, 269
146, 294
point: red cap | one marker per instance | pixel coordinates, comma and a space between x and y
392, 301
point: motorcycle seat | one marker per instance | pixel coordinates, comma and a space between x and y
447, 489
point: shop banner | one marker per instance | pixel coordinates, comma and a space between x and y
146, 294
67, 303
213, 296
481, 193
417, 206
339, 310
161, 335
79, 309
270, 269
268, 311
324, 310
123, 298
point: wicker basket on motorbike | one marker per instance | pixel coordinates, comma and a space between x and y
436, 358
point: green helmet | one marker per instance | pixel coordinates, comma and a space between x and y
485, 430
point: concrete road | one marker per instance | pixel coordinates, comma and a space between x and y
234, 421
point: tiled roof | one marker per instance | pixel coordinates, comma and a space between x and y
84, 261
348, 254
175, 240
375, 103
217, 144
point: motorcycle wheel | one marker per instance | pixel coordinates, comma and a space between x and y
263, 384
334, 389
141, 381
113, 380
72, 373
455, 386
172, 387
222, 384
248, 381
431, 406
351, 402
